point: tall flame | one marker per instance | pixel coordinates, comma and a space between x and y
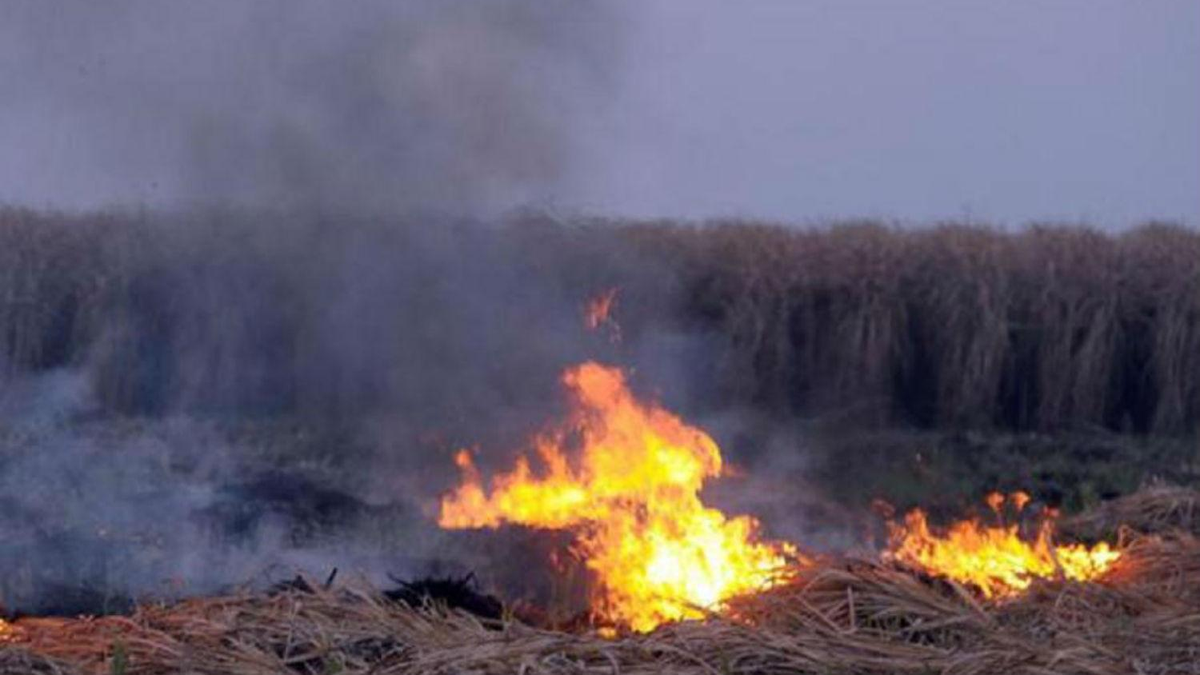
995, 558
632, 499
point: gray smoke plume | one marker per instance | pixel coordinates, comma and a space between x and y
371, 107
273, 370
250, 394
273, 373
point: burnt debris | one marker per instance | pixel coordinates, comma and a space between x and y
452, 592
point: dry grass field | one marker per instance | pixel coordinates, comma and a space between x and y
952, 326
837, 616
269, 374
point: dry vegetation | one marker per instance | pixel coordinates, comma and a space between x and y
958, 326
838, 616
948, 327
952, 326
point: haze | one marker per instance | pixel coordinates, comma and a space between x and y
1077, 110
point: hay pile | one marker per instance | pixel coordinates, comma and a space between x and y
1157, 508
838, 616
869, 618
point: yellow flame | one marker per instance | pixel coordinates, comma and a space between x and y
632, 499
995, 558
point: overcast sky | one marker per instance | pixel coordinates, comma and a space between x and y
1006, 110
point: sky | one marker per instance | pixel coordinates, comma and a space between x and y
907, 110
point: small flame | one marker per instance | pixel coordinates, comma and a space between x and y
598, 312
632, 499
1019, 499
995, 558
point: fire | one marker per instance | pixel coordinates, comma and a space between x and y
995, 558
6, 631
631, 497
598, 312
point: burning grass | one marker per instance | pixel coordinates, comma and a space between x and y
842, 616
633, 499
630, 496
836, 615
1042, 329
994, 557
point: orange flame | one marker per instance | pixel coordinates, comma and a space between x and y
598, 312
632, 499
995, 558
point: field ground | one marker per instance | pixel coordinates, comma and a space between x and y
298, 489
839, 615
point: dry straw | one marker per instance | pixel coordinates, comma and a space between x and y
837, 616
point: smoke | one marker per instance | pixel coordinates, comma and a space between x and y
375, 108
310, 288
250, 394
270, 368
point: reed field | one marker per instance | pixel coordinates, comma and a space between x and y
949, 326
